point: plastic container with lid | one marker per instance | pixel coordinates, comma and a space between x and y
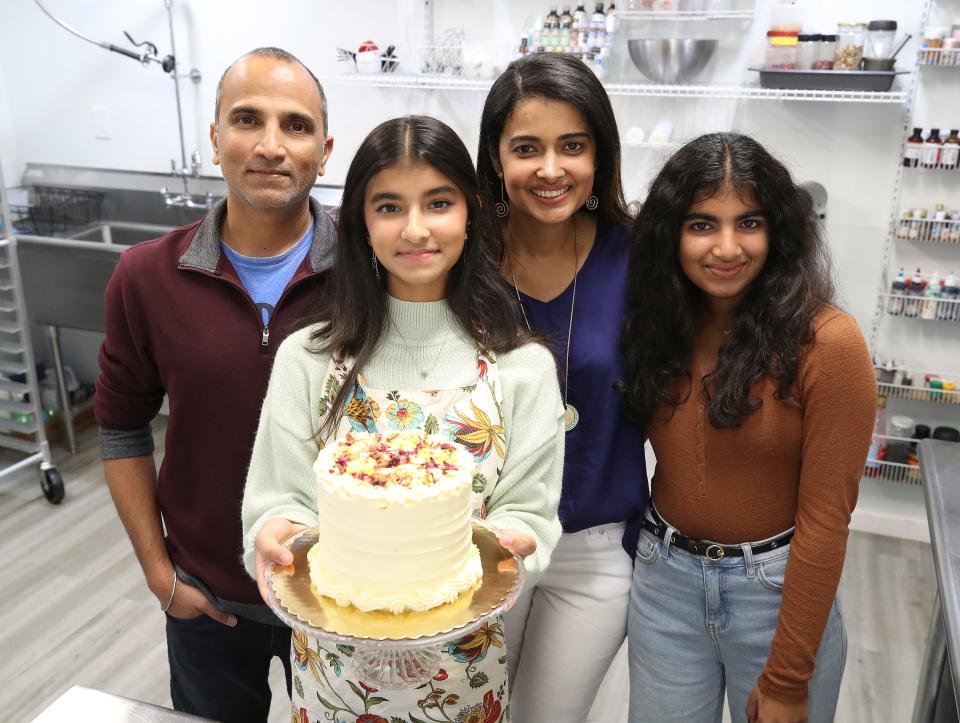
828, 48
781, 49
850, 40
898, 450
808, 51
880, 37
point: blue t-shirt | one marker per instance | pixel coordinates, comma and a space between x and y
266, 278
604, 470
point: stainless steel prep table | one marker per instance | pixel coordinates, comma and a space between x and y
940, 467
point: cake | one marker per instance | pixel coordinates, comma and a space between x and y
394, 515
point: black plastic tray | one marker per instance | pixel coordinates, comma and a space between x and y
827, 79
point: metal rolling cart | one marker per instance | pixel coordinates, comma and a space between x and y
21, 408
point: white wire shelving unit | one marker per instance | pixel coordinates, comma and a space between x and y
943, 57
919, 390
891, 496
944, 309
653, 90
21, 407
668, 146
928, 230
668, 15
934, 169
898, 472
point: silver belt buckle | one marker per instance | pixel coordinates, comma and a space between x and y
714, 550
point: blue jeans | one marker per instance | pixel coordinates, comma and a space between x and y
221, 672
698, 626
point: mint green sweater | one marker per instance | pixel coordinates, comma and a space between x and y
424, 335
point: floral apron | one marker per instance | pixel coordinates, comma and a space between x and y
471, 685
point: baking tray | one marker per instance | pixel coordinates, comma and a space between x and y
872, 80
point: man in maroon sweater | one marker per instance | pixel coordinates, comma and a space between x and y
198, 315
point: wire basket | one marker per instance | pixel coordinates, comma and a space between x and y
453, 61
49, 210
902, 472
472, 62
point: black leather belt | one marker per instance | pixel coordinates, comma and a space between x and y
710, 550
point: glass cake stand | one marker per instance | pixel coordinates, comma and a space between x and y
394, 651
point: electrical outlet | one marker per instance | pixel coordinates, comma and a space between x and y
102, 127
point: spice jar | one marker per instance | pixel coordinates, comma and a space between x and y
850, 40
828, 48
880, 36
932, 43
808, 51
781, 50
950, 52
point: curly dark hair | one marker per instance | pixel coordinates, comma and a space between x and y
773, 321
353, 306
564, 78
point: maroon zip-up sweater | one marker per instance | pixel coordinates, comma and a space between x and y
178, 320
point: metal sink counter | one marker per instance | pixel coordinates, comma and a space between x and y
122, 233
64, 279
63, 282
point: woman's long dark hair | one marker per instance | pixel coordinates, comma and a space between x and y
353, 308
774, 319
564, 78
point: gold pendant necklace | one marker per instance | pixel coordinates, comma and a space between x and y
571, 417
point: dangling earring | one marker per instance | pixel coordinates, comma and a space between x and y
592, 202
374, 264
502, 208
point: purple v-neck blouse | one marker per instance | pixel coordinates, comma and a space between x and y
604, 474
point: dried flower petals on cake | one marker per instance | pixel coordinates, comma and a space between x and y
405, 459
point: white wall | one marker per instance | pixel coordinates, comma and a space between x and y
9, 160
50, 83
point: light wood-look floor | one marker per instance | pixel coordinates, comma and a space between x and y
75, 611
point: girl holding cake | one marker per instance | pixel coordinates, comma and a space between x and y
415, 332
759, 396
549, 161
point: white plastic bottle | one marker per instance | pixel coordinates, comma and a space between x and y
581, 26
931, 298
911, 305
611, 23
598, 27
536, 36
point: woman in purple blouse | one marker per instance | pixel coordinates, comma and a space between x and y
549, 162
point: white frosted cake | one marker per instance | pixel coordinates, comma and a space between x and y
395, 528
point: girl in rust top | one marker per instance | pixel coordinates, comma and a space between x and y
759, 397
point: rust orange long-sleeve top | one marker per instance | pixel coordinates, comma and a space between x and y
786, 465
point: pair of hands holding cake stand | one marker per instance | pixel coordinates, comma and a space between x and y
268, 545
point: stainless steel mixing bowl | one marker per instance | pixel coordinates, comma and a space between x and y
671, 60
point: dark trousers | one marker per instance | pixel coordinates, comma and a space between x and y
221, 672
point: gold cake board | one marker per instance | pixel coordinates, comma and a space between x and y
394, 650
